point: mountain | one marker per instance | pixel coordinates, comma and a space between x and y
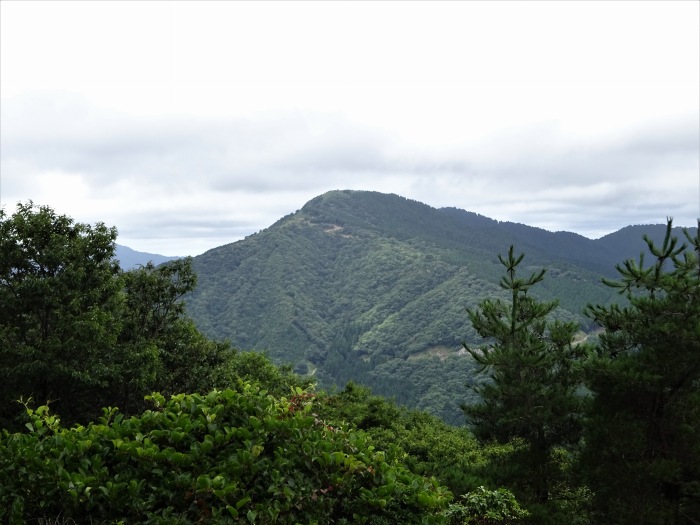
373, 287
129, 258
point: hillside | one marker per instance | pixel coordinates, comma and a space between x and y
129, 258
374, 287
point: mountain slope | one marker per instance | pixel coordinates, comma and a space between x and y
374, 287
129, 258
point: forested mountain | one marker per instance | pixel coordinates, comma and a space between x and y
373, 287
231, 438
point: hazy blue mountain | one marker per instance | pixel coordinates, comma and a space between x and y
374, 287
129, 258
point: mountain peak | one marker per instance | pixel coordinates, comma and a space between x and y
370, 286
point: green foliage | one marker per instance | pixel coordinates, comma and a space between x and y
531, 393
486, 507
356, 283
642, 453
60, 316
163, 349
232, 456
428, 445
256, 367
433, 382
79, 333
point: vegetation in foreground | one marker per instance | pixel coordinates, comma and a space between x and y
603, 433
233, 456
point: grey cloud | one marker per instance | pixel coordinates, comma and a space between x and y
168, 226
593, 189
679, 136
261, 169
287, 152
640, 169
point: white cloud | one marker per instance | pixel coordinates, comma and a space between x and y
191, 124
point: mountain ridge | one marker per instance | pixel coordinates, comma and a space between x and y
129, 258
367, 286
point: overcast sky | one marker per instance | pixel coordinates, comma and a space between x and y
189, 125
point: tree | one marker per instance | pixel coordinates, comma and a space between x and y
77, 331
530, 395
642, 452
60, 314
157, 338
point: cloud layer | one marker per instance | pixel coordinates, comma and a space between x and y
183, 185
192, 124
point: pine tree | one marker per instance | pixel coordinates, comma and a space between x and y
530, 396
643, 435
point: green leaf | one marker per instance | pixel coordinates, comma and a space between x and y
203, 482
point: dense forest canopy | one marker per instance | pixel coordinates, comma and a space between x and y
116, 408
374, 288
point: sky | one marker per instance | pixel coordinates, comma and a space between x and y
190, 125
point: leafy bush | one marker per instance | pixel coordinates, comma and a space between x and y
486, 507
429, 446
231, 456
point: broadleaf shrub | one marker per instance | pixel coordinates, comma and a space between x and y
232, 456
486, 507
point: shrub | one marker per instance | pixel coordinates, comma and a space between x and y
486, 507
232, 456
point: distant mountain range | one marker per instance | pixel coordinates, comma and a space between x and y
373, 287
129, 258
